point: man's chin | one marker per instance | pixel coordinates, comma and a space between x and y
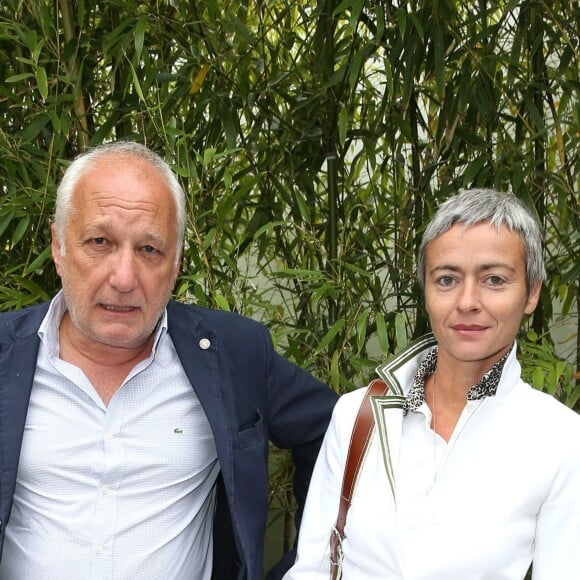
128, 340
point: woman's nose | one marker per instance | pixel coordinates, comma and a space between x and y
469, 298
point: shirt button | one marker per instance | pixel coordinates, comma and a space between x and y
108, 435
100, 549
105, 489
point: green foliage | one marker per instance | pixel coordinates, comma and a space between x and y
544, 370
314, 141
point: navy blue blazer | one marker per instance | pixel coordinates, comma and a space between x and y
250, 394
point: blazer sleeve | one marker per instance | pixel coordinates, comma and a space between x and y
300, 408
251, 396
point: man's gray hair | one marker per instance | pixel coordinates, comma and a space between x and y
474, 206
87, 161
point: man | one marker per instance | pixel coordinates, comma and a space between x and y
134, 429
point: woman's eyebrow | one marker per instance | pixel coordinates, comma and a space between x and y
480, 267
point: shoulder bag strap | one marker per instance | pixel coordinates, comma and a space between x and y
359, 442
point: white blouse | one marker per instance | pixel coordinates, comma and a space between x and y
505, 489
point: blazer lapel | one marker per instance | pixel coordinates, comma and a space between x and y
398, 374
197, 349
388, 414
19, 343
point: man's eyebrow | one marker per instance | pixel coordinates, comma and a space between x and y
444, 267
96, 227
153, 237
104, 227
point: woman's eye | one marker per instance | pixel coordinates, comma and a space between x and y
495, 280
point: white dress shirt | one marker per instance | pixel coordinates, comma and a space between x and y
503, 491
118, 492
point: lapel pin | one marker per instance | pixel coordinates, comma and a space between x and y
204, 343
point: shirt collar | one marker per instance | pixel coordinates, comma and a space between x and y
486, 386
48, 331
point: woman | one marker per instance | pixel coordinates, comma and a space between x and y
471, 474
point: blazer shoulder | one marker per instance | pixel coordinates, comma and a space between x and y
21, 324
203, 318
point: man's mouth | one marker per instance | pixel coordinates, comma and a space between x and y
112, 308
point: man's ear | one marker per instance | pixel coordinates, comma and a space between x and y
55, 249
533, 298
176, 270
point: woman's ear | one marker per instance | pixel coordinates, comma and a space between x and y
533, 298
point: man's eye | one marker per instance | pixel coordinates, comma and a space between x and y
445, 281
149, 249
99, 241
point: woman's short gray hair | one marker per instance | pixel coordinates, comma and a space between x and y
87, 160
474, 206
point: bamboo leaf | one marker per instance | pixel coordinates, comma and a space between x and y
335, 371
221, 302
302, 205
472, 170
297, 273
136, 83
343, 118
267, 227
208, 156
400, 331
20, 230
439, 60
5, 221
18, 78
538, 378
332, 332
198, 80
361, 329
38, 262
535, 114
42, 82
382, 334
208, 239
140, 29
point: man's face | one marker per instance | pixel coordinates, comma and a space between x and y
476, 293
120, 260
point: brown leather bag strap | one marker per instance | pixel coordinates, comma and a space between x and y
359, 442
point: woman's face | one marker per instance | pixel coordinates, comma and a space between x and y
476, 293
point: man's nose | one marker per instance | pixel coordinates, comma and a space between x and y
123, 272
